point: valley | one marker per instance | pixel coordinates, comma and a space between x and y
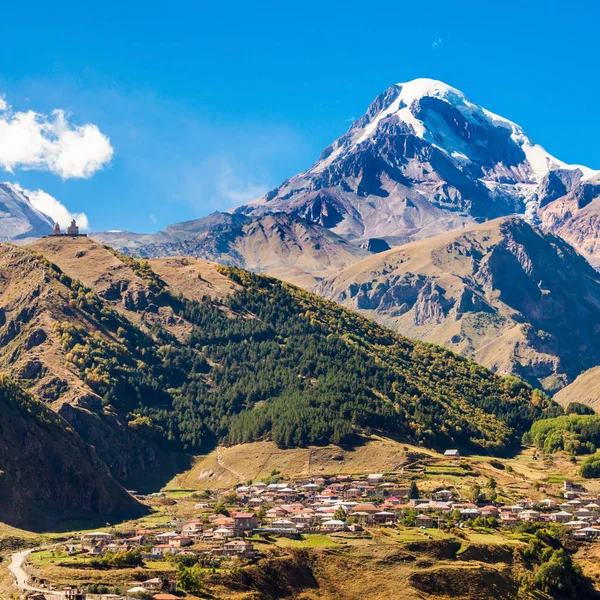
437, 560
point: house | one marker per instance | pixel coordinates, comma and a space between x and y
587, 533
384, 516
509, 521
576, 524
582, 514
245, 521
150, 585
161, 549
222, 533
180, 541
375, 477
547, 503
192, 528
569, 486
424, 521
282, 524
561, 517
529, 515
96, 536
453, 453
239, 549
333, 525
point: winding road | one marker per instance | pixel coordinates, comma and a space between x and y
21, 577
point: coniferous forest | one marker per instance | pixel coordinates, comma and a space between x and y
274, 362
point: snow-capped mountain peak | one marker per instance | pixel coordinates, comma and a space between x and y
422, 159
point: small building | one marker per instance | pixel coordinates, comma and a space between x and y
333, 525
239, 549
424, 521
452, 453
561, 517
245, 521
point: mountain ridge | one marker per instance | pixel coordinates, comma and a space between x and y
501, 292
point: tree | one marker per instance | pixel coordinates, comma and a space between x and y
220, 509
413, 492
340, 514
191, 578
475, 492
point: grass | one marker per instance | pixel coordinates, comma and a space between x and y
179, 493
311, 540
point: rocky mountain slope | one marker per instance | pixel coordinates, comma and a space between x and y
150, 361
424, 159
502, 293
19, 220
570, 207
46, 471
278, 244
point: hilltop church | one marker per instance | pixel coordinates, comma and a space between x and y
72, 230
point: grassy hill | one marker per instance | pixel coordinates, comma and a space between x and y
148, 361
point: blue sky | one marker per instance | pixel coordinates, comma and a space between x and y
208, 105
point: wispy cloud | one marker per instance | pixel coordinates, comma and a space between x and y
55, 209
49, 142
152, 217
437, 43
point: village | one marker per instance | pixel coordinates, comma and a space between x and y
229, 528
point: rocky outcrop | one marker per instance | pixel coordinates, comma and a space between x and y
47, 472
573, 213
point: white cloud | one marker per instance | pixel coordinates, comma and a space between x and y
30, 140
152, 218
231, 190
437, 43
57, 211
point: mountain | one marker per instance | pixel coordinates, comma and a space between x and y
19, 220
149, 361
505, 294
570, 207
46, 471
278, 244
423, 160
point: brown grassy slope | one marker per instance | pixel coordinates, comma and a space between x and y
114, 280
585, 389
32, 301
227, 466
506, 295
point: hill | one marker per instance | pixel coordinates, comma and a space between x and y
174, 354
46, 471
585, 389
502, 293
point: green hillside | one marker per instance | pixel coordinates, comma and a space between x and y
274, 362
